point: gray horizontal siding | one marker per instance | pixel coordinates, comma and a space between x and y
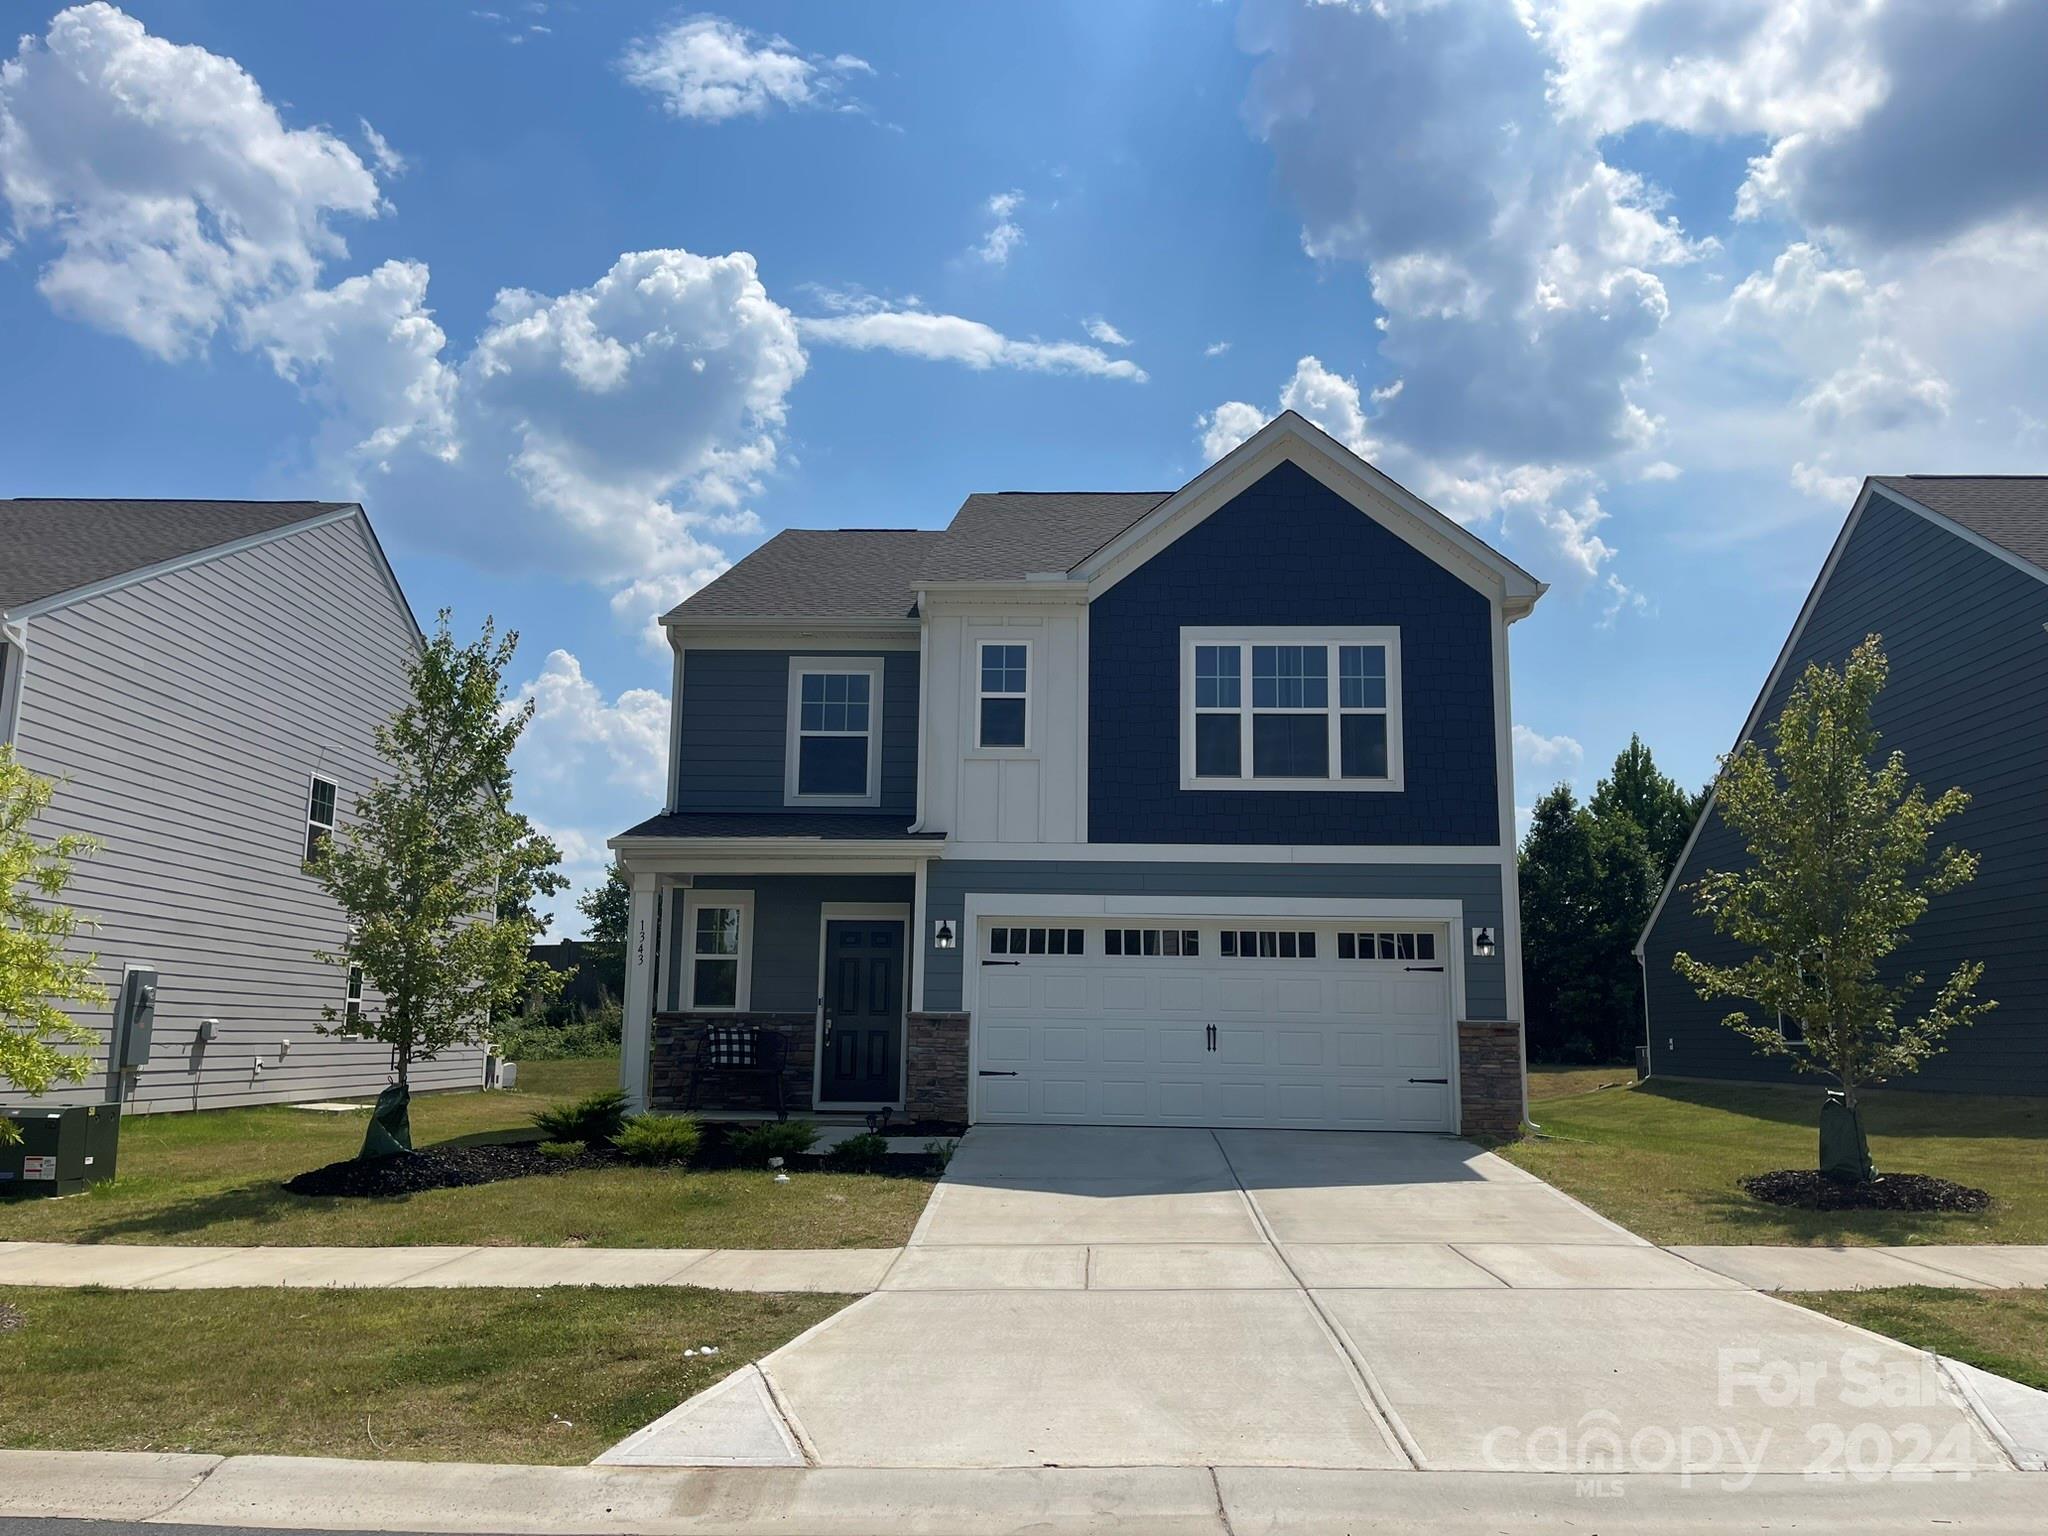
185, 715
1967, 696
948, 883
733, 733
784, 946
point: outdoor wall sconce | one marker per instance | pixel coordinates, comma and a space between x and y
944, 934
1482, 943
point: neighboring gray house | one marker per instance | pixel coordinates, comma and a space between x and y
1952, 570
1186, 807
204, 677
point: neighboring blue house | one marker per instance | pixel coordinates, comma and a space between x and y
1187, 808
1952, 571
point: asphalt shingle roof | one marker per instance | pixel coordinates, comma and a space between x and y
2009, 510
870, 572
53, 546
830, 826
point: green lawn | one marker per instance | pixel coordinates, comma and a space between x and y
1548, 1082
2002, 1331
1662, 1159
215, 1177
475, 1375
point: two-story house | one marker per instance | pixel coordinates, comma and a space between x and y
204, 680
1162, 808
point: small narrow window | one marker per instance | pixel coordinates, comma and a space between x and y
1308, 946
715, 957
999, 941
1347, 946
1005, 694
1425, 946
1362, 711
354, 1006
1219, 703
320, 817
1075, 946
1791, 1030
1113, 941
1227, 944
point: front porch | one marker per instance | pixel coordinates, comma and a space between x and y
783, 975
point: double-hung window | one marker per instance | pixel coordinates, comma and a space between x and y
1003, 706
1291, 709
320, 798
835, 738
715, 946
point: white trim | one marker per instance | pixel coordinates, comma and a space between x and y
1511, 866
331, 827
1233, 853
1290, 437
636, 1026
1081, 731
694, 901
857, 911
1756, 710
1026, 747
914, 988
924, 707
794, 634
869, 667
979, 907
13, 670
1331, 640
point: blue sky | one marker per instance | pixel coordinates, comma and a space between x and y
584, 301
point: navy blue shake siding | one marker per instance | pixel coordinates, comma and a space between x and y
1287, 550
1966, 702
735, 725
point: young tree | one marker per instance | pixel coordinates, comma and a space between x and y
437, 872
35, 973
1839, 871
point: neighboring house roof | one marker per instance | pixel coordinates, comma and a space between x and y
825, 826
2009, 510
874, 573
60, 545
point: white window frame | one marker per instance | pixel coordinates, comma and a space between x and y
695, 901
799, 666
1331, 640
352, 995
1030, 681
331, 827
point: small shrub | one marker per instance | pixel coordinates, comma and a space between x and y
658, 1139
595, 1120
943, 1151
859, 1154
562, 1151
753, 1145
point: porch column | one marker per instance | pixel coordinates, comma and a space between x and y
636, 1034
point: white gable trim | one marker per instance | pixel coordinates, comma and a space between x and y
1290, 438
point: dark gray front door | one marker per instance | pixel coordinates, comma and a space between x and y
863, 1010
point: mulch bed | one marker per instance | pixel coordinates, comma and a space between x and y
1806, 1188
457, 1167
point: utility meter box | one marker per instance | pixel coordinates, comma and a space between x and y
60, 1151
135, 1022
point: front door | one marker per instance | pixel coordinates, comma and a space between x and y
863, 992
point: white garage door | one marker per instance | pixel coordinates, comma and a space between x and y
1178, 1021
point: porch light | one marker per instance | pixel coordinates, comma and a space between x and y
1482, 943
944, 935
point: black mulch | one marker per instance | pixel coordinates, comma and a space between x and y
455, 1167
1806, 1187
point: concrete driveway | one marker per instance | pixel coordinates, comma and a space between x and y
1119, 1297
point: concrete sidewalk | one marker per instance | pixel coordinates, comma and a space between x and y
1235, 1262
289, 1493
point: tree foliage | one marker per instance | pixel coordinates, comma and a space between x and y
1839, 870
1589, 876
36, 972
436, 872
606, 908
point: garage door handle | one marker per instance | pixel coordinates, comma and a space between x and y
1421, 967
984, 1072
1444, 1080
999, 962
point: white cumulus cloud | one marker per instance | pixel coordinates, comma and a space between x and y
166, 186
712, 70
1003, 234
1101, 330
954, 339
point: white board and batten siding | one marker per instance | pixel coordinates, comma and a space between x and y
185, 715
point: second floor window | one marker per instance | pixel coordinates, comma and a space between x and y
834, 732
320, 816
1005, 694
1291, 709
